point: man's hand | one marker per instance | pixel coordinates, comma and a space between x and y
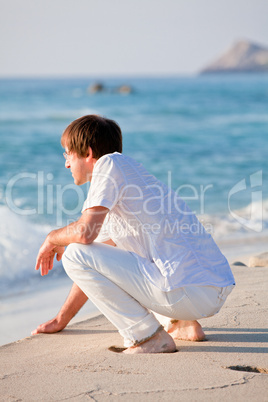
75, 300
46, 256
83, 231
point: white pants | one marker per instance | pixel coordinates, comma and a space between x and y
112, 280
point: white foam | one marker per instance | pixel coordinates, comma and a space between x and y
251, 220
20, 241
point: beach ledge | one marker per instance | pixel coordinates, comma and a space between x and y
77, 365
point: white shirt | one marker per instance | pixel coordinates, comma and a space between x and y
148, 219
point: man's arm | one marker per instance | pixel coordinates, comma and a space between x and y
84, 231
74, 302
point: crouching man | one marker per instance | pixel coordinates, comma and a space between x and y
162, 276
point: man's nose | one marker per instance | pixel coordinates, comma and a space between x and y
67, 164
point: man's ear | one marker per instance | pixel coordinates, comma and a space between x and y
90, 153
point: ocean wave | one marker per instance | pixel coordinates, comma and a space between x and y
61, 115
250, 220
237, 119
20, 241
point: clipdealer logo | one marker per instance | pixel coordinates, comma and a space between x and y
254, 212
50, 198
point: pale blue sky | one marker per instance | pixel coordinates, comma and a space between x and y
116, 37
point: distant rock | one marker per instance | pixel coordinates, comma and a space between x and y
243, 57
260, 260
239, 264
125, 89
96, 88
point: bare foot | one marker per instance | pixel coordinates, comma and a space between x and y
49, 327
187, 331
162, 342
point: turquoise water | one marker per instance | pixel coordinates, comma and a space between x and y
200, 135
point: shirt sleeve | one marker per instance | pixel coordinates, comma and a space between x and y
104, 234
106, 185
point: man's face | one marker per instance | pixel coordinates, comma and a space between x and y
80, 167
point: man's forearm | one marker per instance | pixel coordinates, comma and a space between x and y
65, 236
75, 300
84, 231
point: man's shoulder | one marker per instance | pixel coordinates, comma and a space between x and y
111, 165
124, 167
110, 157
116, 158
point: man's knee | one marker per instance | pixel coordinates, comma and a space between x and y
69, 253
73, 256
67, 258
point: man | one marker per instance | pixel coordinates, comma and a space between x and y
165, 268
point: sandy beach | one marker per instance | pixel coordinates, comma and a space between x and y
77, 364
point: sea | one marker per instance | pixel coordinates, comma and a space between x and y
205, 136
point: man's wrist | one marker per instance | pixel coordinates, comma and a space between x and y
62, 319
51, 238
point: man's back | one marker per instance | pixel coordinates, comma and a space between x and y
149, 219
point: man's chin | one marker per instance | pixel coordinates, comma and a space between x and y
79, 183
76, 181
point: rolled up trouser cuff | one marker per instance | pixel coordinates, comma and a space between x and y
141, 331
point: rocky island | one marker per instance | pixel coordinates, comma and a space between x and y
243, 57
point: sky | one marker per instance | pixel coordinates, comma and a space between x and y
123, 37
